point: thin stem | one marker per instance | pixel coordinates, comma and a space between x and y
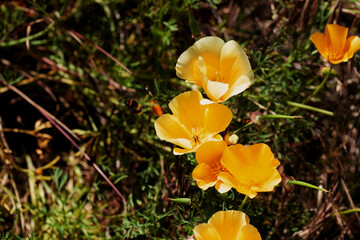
305, 184
307, 107
24, 39
243, 203
349, 211
277, 116
319, 87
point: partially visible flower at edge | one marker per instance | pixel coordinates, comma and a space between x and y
227, 225
192, 124
221, 69
252, 168
209, 167
334, 46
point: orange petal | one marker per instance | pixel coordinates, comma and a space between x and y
186, 106
319, 41
229, 223
217, 118
335, 36
253, 167
205, 177
169, 128
249, 232
210, 152
352, 45
205, 231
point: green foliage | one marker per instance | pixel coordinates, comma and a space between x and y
44, 55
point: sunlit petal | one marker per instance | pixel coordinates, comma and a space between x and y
169, 128
319, 41
205, 231
210, 152
217, 117
229, 223
186, 106
352, 45
249, 232
335, 36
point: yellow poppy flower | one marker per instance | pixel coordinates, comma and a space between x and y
252, 168
192, 124
227, 225
334, 46
221, 69
206, 173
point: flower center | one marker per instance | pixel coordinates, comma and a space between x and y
197, 136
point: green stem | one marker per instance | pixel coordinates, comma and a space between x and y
276, 116
245, 126
243, 203
349, 211
307, 107
305, 184
22, 40
318, 87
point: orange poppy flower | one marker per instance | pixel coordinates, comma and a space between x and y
227, 225
221, 69
252, 169
334, 46
192, 124
206, 173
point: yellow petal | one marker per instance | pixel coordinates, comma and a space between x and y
187, 108
204, 176
180, 151
215, 90
229, 223
254, 167
208, 48
234, 62
352, 45
238, 86
169, 128
335, 36
205, 231
210, 152
217, 118
249, 232
319, 41
222, 187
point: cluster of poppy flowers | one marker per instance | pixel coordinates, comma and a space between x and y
223, 70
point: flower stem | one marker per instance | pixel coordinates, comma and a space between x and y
243, 203
307, 107
349, 211
305, 184
319, 87
274, 116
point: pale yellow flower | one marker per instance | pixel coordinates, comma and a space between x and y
206, 173
334, 46
227, 225
221, 69
192, 124
252, 168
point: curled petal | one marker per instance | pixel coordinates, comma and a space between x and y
169, 128
319, 41
352, 45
